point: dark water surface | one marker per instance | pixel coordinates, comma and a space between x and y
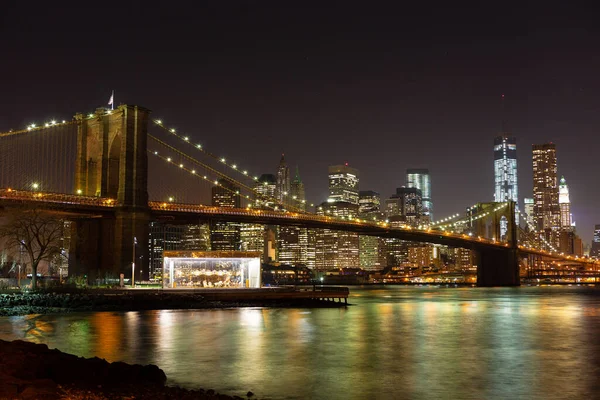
394, 342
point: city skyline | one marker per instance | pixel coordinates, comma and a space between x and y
399, 96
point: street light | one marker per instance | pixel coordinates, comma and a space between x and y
133, 264
35, 186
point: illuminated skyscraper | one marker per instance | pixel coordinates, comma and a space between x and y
162, 237
371, 248
297, 192
406, 205
225, 235
368, 201
528, 209
253, 237
282, 190
546, 208
420, 179
343, 183
505, 169
196, 237
296, 244
337, 249
565, 204
595, 251
265, 187
225, 194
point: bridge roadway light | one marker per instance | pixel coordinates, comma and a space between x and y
35, 186
79, 191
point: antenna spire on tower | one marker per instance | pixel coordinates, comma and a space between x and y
504, 128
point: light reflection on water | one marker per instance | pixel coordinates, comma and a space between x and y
394, 342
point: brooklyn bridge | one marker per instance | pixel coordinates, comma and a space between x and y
113, 172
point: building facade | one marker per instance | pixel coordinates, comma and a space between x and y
343, 184
419, 178
528, 210
368, 201
546, 208
595, 250
336, 249
505, 169
282, 190
564, 202
225, 235
371, 248
407, 203
297, 192
265, 189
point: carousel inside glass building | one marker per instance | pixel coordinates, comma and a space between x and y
211, 269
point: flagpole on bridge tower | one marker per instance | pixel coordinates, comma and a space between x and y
111, 101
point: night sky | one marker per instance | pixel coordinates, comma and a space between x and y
382, 88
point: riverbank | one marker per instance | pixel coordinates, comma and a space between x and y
33, 371
13, 304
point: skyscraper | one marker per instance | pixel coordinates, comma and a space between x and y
406, 205
282, 190
225, 235
528, 210
565, 204
295, 244
297, 192
595, 250
419, 178
162, 237
370, 247
265, 189
337, 249
505, 169
546, 208
368, 201
343, 183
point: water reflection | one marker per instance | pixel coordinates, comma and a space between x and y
393, 343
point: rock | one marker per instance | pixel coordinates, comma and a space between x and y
9, 386
249, 394
39, 393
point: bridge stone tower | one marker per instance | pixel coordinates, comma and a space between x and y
497, 266
112, 161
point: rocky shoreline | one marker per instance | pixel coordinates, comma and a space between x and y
47, 303
33, 371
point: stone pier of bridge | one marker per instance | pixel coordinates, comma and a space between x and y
112, 162
498, 266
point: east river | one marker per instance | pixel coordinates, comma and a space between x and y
392, 343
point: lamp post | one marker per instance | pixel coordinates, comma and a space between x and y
20, 262
133, 264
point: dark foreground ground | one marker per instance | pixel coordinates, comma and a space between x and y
137, 300
32, 371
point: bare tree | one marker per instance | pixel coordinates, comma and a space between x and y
37, 232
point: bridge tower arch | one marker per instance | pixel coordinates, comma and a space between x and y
496, 266
112, 161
